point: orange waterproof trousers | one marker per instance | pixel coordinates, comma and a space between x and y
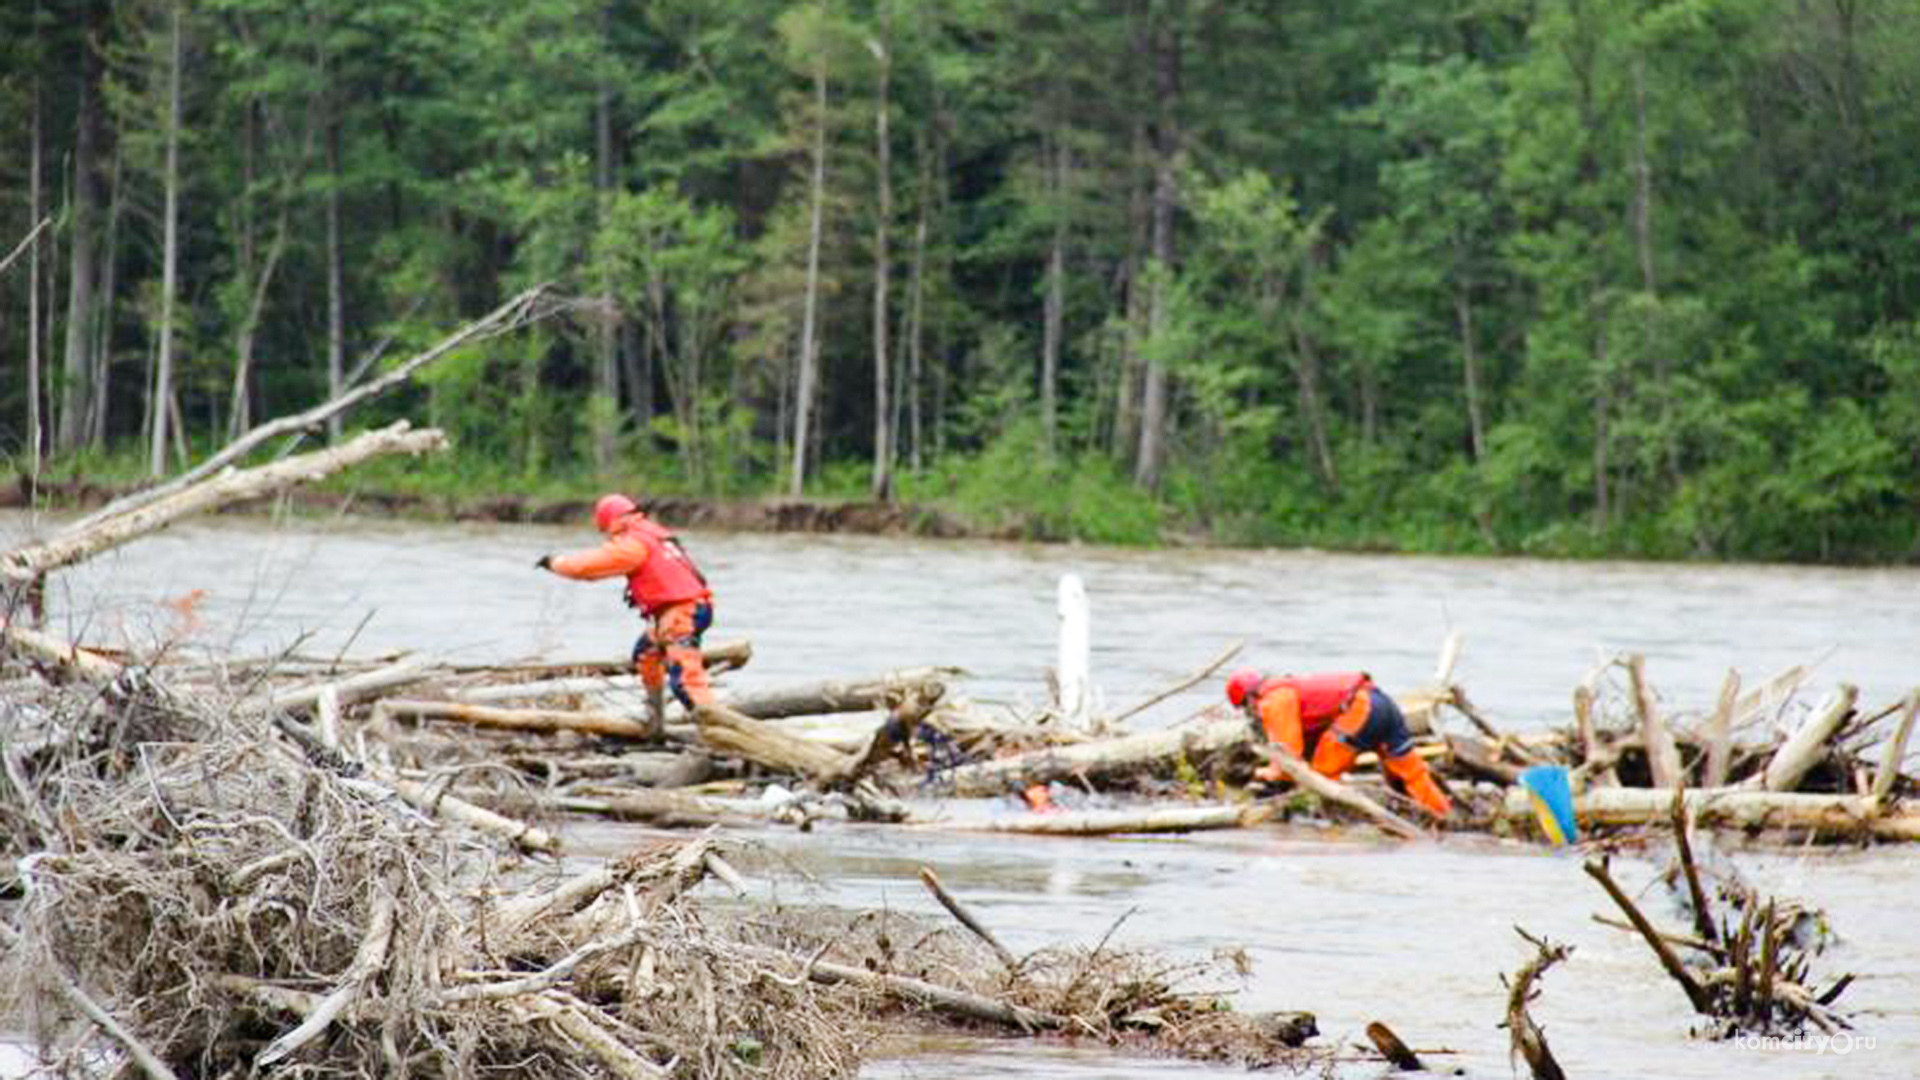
668, 653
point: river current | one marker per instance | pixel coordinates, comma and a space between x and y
1415, 935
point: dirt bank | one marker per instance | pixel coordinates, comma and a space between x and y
682, 511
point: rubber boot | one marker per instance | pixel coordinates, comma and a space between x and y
1332, 757
1413, 773
656, 711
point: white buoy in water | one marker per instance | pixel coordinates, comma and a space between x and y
1076, 646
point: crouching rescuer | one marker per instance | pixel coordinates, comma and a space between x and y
664, 584
1328, 720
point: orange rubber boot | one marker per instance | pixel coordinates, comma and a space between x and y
1413, 772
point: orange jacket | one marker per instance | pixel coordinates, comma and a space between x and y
1296, 709
658, 571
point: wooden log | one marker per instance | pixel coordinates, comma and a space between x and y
729, 732
28, 563
834, 696
1808, 744
434, 802
1663, 755
1475, 758
543, 720
663, 808
1896, 753
86, 663
920, 992
1104, 757
354, 688
519, 311
1397, 1053
1115, 822
579, 1022
1720, 733
1334, 791
560, 677
1839, 815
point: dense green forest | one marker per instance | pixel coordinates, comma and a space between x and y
1558, 276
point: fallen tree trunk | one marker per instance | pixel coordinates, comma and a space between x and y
1127, 754
354, 687
835, 696
924, 994
581, 676
1111, 822
727, 731
547, 720
1849, 815
26, 564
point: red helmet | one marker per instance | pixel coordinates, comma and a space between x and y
611, 508
1240, 684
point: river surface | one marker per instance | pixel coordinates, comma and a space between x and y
1414, 935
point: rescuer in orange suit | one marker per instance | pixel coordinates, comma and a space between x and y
1328, 720
667, 588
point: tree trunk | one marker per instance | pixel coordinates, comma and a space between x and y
1153, 398
1312, 407
916, 307
1127, 755
76, 389
1470, 366
101, 381
1054, 316
1126, 417
240, 403
162, 388
606, 373
36, 438
336, 290
882, 363
809, 347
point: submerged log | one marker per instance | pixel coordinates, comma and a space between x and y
834, 696
1112, 822
1336, 792
1845, 815
1127, 754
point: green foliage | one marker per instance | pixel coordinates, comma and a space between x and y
1606, 278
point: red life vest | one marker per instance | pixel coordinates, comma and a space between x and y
1323, 696
668, 576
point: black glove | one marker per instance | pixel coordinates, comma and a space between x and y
545, 563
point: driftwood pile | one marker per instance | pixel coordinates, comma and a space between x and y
217, 888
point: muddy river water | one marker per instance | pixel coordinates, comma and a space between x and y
1414, 935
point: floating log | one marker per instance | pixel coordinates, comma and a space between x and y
30, 562
834, 696
1808, 744
1114, 822
1848, 815
546, 720
1127, 754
